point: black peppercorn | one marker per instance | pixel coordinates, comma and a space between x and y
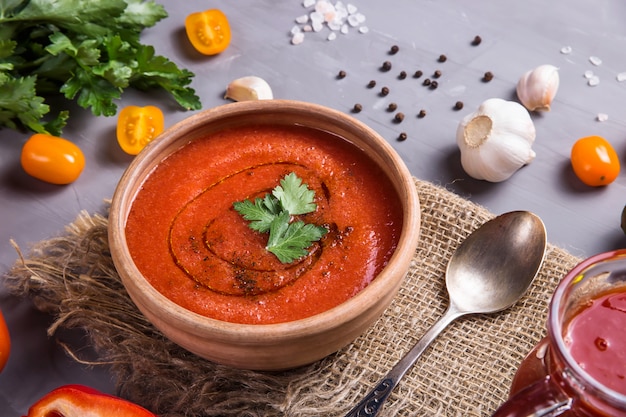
421, 114
384, 91
392, 106
342, 74
418, 74
357, 108
386, 66
402, 136
402, 75
399, 117
458, 105
488, 76
437, 74
433, 85
477, 40
371, 84
394, 49
442, 58
426, 82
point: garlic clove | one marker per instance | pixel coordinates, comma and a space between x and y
249, 88
537, 88
496, 140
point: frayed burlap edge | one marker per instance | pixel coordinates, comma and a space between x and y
466, 372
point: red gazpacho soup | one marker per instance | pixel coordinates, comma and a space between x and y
596, 339
192, 246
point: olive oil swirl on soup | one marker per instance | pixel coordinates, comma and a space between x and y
193, 247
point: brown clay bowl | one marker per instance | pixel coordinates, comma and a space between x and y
268, 346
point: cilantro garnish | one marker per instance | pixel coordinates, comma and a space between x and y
288, 239
87, 50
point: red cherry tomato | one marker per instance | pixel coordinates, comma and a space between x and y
208, 31
52, 159
137, 126
595, 161
5, 342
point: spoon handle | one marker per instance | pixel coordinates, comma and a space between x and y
373, 402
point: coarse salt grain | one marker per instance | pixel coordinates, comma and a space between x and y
566, 50
332, 36
593, 81
297, 38
588, 74
330, 17
621, 76
334, 26
316, 17
302, 19
323, 6
341, 8
308, 3
595, 60
317, 26
364, 29
602, 117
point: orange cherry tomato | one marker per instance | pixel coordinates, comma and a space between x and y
5, 342
208, 31
595, 161
137, 126
52, 159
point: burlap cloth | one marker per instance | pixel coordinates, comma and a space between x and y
467, 371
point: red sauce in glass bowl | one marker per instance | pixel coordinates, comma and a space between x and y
185, 237
596, 339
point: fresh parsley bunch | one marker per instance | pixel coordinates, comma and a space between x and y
87, 50
288, 239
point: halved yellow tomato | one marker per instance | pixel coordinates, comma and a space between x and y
208, 31
137, 126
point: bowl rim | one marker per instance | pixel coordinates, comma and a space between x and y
349, 309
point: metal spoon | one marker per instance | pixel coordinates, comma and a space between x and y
489, 272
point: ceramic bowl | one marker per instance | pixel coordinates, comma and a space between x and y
267, 346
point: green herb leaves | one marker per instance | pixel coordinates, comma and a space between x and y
288, 239
88, 50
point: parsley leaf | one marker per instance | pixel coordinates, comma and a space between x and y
294, 196
288, 239
261, 213
87, 50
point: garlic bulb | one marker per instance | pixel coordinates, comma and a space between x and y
495, 141
537, 88
249, 88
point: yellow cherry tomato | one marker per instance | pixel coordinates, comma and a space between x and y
208, 31
5, 342
137, 126
594, 161
52, 159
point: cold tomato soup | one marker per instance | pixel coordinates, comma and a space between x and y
596, 339
192, 246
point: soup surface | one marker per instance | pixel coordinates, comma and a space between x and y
192, 246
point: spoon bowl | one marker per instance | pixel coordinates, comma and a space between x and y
495, 265
489, 272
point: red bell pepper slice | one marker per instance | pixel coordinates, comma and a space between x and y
80, 401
